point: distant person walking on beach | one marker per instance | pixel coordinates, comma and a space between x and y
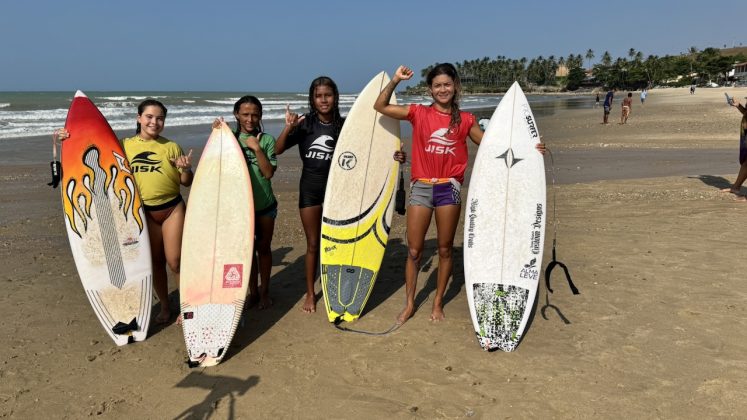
742, 175
167, 169
437, 174
644, 93
259, 153
316, 135
596, 104
627, 106
608, 105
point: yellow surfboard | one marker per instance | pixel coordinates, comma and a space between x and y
358, 204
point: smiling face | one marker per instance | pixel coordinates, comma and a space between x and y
151, 122
324, 101
442, 90
248, 117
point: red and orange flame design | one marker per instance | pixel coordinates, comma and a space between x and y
89, 129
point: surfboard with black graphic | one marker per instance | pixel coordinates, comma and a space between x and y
358, 205
106, 224
504, 225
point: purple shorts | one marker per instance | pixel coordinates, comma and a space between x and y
435, 195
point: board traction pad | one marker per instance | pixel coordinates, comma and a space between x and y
500, 309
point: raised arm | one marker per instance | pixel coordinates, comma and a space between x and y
291, 122
382, 104
735, 103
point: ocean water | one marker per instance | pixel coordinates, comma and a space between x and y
26, 114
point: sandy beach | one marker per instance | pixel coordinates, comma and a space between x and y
658, 331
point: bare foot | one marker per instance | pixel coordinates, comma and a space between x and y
179, 319
740, 198
309, 305
163, 317
730, 190
265, 302
405, 314
437, 315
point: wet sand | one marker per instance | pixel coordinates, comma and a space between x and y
657, 331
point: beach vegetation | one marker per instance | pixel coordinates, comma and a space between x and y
634, 71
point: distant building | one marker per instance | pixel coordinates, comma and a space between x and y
738, 73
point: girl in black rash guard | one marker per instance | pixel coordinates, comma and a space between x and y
316, 135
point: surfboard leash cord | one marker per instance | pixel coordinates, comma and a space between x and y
391, 329
555, 262
55, 164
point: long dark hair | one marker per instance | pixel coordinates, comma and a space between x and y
247, 99
146, 103
451, 71
336, 118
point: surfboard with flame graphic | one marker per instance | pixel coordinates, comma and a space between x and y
358, 205
106, 224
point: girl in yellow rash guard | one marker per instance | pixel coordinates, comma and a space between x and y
160, 168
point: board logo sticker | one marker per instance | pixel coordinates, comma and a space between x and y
472, 217
530, 122
537, 230
347, 160
509, 157
530, 271
233, 275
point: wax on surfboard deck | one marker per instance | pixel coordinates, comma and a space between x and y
106, 224
217, 248
358, 204
504, 225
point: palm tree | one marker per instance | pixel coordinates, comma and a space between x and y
589, 55
606, 59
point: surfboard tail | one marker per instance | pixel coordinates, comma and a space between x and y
500, 310
346, 290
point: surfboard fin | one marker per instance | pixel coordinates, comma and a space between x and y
122, 328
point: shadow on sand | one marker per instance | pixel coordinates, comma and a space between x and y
223, 390
713, 181
286, 288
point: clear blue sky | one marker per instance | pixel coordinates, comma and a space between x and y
276, 45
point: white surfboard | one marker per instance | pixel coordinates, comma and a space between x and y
106, 224
217, 248
504, 226
358, 204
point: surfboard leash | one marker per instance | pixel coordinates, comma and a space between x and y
391, 329
554, 263
399, 201
55, 164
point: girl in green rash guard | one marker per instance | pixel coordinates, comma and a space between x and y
259, 152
